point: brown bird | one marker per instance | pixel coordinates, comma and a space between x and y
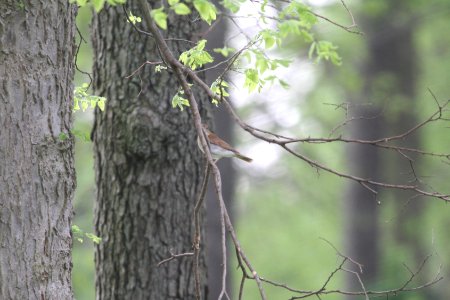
219, 148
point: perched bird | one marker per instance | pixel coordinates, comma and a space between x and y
219, 148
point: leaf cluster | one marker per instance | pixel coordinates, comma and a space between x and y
82, 99
79, 235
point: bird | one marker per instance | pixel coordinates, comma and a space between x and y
219, 148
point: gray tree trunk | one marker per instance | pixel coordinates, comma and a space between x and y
37, 176
389, 74
223, 126
148, 165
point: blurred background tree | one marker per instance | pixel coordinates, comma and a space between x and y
283, 206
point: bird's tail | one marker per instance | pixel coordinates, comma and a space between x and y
244, 158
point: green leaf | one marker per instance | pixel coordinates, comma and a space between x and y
251, 79
196, 57
218, 88
181, 9
201, 45
93, 238
269, 38
101, 103
116, 2
289, 27
179, 101
160, 17
158, 68
206, 9
225, 51
307, 36
262, 63
76, 229
98, 4
284, 84
84, 105
284, 62
232, 5
134, 19
173, 2
81, 134
76, 105
326, 50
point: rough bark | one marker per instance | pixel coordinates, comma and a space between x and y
148, 165
37, 176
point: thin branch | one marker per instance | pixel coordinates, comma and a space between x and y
76, 57
174, 256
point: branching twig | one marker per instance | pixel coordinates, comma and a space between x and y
174, 256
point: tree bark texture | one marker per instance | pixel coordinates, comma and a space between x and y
37, 176
148, 165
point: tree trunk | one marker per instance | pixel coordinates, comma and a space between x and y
37, 176
389, 74
148, 165
223, 126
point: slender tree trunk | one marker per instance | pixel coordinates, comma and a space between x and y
389, 74
361, 209
37, 176
148, 165
223, 126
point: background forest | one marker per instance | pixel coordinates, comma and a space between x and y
283, 209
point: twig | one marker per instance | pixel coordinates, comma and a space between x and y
174, 256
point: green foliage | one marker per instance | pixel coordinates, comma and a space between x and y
160, 17
196, 57
83, 98
232, 5
325, 50
261, 64
252, 80
83, 135
158, 68
270, 38
179, 8
225, 51
218, 87
79, 234
97, 4
206, 9
133, 19
179, 101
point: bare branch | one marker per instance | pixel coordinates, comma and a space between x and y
174, 256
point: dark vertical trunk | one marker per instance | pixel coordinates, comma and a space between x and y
389, 73
37, 177
361, 208
148, 166
223, 126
